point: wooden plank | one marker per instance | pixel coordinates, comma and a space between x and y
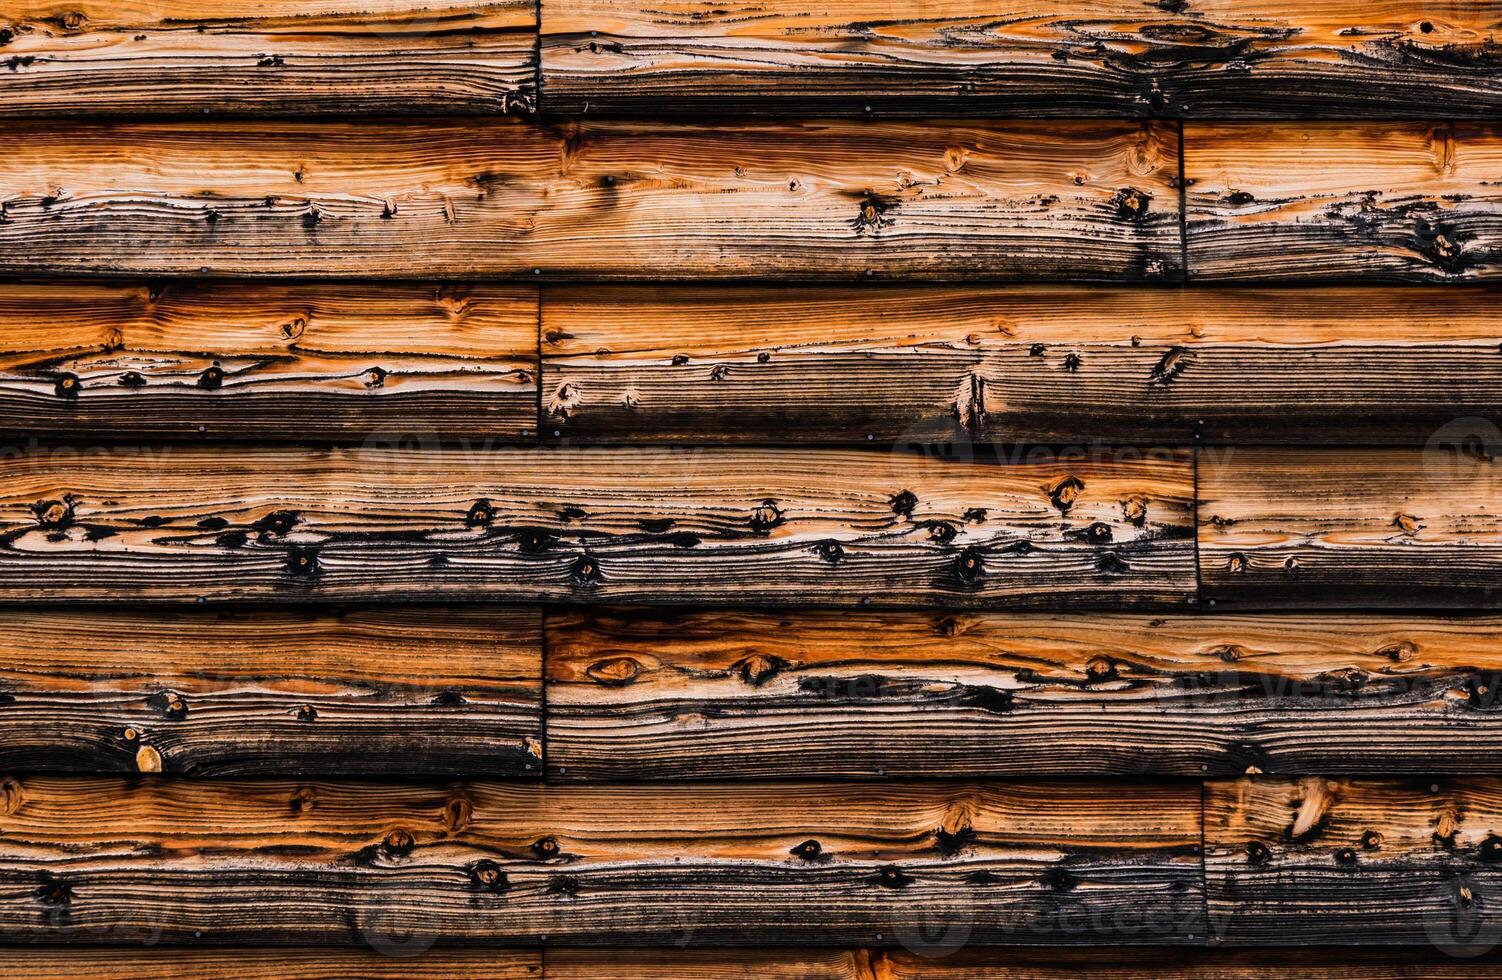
265, 862
289, 57
231, 360
1410, 202
718, 695
395, 960
1212, 58
1356, 528
449, 200
1321, 860
651, 525
1016, 364
419, 691
946, 958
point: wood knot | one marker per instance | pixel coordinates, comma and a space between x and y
1100, 669
1111, 563
66, 385
809, 850
375, 377
679, 360
277, 522
480, 513
831, 552
546, 847
398, 844
941, 532
54, 891
766, 516
54, 515
1371, 840
759, 668
1064, 492
12, 795
1258, 854
1171, 365
1131, 203
302, 563
1345, 856
1072, 362
615, 672
148, 759
903, 502
1407, 523
169, 704
212, 377
1491, 850
307, 713
1399, 652
565, 885
1236, 563
970, 566
566, 397
891, 876
132, 379
585, 571
457, 814
304, 800
1134, 510
485, 875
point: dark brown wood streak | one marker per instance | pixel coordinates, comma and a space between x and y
422, 691
1316, 201
726, 695
1222, 59
447, 200
282, 57
347, 862
395, 960
380, 364
666, 526
1031, 364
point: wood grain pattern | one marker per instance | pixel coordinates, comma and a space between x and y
422, 691
269, 361
724, 695
449, 200
1210, 58
794, 863
1354, 862
1415, 202
938, 960
1016, 364
397, 962
107, 57
1359, 528
664, 526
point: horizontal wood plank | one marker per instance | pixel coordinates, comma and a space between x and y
396, 960
452, 200
420, 691
725, 695
1210, 58
644, 525
269, 361
109, 57
1355, 528
1409, 202
1053, 365
1321, 860
265, 862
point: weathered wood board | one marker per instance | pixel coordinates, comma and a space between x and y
1210, 58
269, 361
842, 527
396, 960
452, 200
727, 695
1320, 201
1355, 528
266, 862
1016, 364
423, 691
1320, 860
134, 57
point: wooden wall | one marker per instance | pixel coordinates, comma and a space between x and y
698, 491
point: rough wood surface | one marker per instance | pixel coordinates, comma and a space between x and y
1411, 202
269, 361
397, 961
1054, 365
420, 691
728, 695
646, 525
1321, 860
936, 959
449, 200
1210, 58
106, 57
1357, 528
266, 862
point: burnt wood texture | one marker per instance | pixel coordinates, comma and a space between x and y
650, 525
1355, 528
286, 57
276, 362
1016, 364
418, 691
84, 858
1216, 59
453, 200
398, 960
640, 695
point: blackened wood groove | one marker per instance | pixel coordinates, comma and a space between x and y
452, 200
1053, 365
422, 691
398, 959
842, 527
1220, 59
726, 695
1355, 528
1316, 201
112, 57
1350, 862
269, 361
349, 862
